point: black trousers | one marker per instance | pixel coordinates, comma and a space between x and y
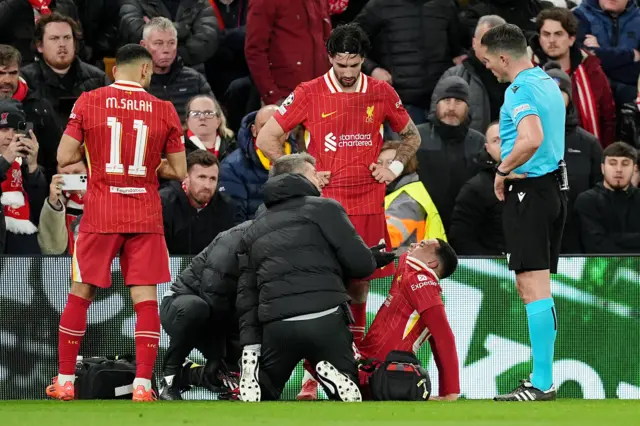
285, 343
188, 322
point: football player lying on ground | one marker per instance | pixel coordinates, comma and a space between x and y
198, 312
414, 313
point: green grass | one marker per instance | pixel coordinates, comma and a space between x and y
464, 413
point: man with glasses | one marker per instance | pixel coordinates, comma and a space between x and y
172, 80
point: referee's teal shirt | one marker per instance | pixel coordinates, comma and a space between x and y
533, 92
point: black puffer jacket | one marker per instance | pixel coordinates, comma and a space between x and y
213, 274
518, 12
583, 155
300, 252
181, 84
415, 40
44, 83
196, 24
476, 222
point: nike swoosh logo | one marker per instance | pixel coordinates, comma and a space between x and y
325, 115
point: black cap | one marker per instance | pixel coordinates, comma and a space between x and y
554, 70
11, 114
452, 87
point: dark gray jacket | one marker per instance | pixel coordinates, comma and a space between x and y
181, 84
196, 24
415, 40
298, 255
213, 274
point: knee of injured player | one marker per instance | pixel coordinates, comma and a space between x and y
437, 254
533, 285
84, 291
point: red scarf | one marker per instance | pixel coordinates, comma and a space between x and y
22, 91
336, 7
75, 202
15, 202
197, 142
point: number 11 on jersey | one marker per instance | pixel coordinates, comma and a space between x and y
115, 166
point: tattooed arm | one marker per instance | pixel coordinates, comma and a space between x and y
410, 143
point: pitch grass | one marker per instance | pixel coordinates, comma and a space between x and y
463, 413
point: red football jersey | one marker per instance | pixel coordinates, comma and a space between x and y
344, 134
125, 132
415, 289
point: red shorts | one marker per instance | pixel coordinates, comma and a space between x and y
373, 230
144, 259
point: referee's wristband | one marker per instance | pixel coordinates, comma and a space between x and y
396, 167
499, 173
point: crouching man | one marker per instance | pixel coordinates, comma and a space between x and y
199, 312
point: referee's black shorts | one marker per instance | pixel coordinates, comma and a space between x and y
534, 214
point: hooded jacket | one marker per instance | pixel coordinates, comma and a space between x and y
297, 254
242, 173
617, 38
591, 93
583, 155
446, 159
213, 274
476, 222
609, 220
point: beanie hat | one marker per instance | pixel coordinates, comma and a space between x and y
452, 87
10, 114
554, 70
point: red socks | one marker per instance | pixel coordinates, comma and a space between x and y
359, 311
147, 337
73, 325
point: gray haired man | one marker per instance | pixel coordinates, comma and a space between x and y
295, 259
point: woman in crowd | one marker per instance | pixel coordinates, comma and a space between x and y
206, 127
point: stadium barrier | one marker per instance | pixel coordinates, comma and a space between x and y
597, 352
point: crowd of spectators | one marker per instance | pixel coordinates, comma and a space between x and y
227, 64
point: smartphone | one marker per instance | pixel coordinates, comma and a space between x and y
74, 182
25, 127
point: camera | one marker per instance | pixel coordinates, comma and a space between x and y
24, 128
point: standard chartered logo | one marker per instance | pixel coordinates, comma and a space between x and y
331, 142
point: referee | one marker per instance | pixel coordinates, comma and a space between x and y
531, 180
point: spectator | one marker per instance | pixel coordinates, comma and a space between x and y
608, 214
203, 297
172, 80
196, 26
61, 214
518, 12
476, 222
59, 76
486, 93
410, 212
17, 23
609, 28
193, 211
592, 97
449, 147
207, 127
414, 42
38, 111
228, 63
99, 19
246, 169
285, 44
583, 155
23, 184
635, 180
